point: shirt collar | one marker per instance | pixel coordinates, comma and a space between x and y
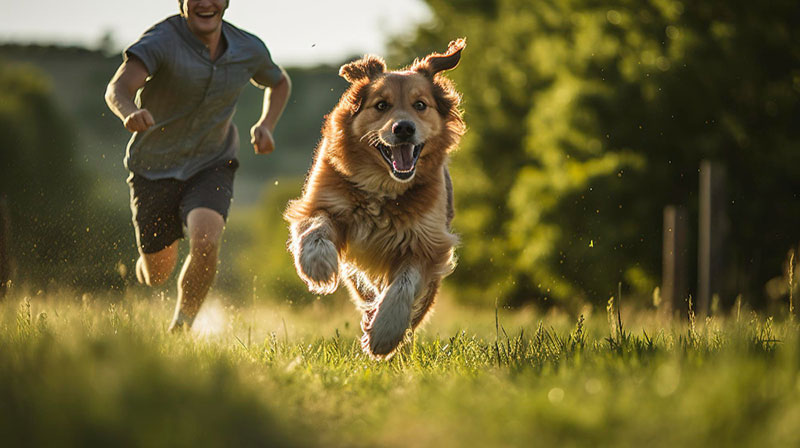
195, 43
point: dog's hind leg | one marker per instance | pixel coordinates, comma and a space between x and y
450, 211
363, 294
423, 305
361, 290
392, 316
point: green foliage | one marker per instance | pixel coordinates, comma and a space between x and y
77, 374
54, 220
586, 119
264, 259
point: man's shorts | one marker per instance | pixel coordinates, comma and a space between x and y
160, 207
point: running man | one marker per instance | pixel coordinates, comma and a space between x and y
190, 68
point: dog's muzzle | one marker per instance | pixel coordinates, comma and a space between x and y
402, 158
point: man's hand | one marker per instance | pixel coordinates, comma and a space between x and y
261, 138
139, 121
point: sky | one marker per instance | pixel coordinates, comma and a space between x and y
297, 32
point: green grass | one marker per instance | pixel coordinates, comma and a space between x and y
83, 372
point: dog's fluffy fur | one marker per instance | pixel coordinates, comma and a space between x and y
377, 203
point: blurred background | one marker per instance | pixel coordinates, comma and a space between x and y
586, 119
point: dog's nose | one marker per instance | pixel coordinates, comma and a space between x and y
403, 129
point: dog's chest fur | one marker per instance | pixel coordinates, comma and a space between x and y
380, 230
373, 209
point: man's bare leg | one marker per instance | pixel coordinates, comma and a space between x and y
154, 269
205, 232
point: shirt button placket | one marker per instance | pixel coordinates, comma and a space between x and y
201, 114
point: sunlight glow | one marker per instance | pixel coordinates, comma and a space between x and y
211, 320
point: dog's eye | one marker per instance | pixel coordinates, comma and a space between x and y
382, 106
419, 105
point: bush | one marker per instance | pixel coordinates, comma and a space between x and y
586, 119
60, 233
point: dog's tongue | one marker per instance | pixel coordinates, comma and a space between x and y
402, 157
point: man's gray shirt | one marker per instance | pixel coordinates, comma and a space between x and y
192, 98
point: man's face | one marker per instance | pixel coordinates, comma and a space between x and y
204, 16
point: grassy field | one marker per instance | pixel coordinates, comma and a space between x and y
81, 371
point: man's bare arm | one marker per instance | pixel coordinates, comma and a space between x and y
275, 99
128, 79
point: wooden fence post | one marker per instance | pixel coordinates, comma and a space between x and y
674, 273
5, 251
712, 232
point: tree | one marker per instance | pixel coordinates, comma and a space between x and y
60, 233
586, 118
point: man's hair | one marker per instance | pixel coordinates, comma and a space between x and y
180, 5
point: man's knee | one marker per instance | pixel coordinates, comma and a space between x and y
205, 231
205, 245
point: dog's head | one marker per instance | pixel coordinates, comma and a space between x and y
399, 124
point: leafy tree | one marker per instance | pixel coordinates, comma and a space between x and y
586, 118
59, 234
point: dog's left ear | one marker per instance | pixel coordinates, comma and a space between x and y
365, 68
437, 62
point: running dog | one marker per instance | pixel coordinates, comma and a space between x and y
377, 203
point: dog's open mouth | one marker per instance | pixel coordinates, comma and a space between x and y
402, 159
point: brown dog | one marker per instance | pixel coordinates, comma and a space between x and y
377, 203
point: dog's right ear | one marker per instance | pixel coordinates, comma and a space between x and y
365, 68
436, 62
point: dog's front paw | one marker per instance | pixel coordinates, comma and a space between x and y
319, 264
385, 327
